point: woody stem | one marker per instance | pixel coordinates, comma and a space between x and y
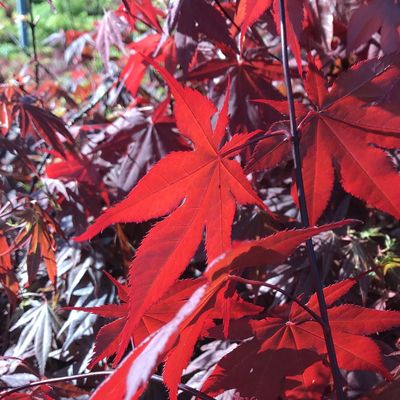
254, 140
32, 26
155, 378
330, 346
278, 289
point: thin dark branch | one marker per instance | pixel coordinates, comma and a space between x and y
253, 31
330, 346
155, 378
34, 46
186, 389
28, 54
258, 37
52, 380
254, 140
278, 289
222, 9
36, 178
90, 105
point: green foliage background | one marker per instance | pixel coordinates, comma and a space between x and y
66, 14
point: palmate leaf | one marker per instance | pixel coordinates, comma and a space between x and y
368, 18
137, 141
74, 167
38, 236
109, 335
249, 77
346, 131
259, 375
43, 124
8, 278
192, 19
109, 33
200, 187
39, 323
349, 127
15, 106
159, 314
249, 11
163, 51
223, 307
140, 363
141, 10
291, 329
178, 335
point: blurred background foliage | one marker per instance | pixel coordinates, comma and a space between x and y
51, 17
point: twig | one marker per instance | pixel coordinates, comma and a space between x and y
337, 377
256, 139
227, 15
155, 378
278, 289
89, 106
185, 388
40, 64
253, 31
258, 37
34, 47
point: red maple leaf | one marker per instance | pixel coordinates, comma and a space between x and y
141, 11
291, 330
137, 140
109, 335
346, 130
193, 20
179, 335
73, 166
383, 15
135, 68
32, 120
251, 76
43, 124
227, 306
249, 11
8, 96
201, 187
7, 276
37, 234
